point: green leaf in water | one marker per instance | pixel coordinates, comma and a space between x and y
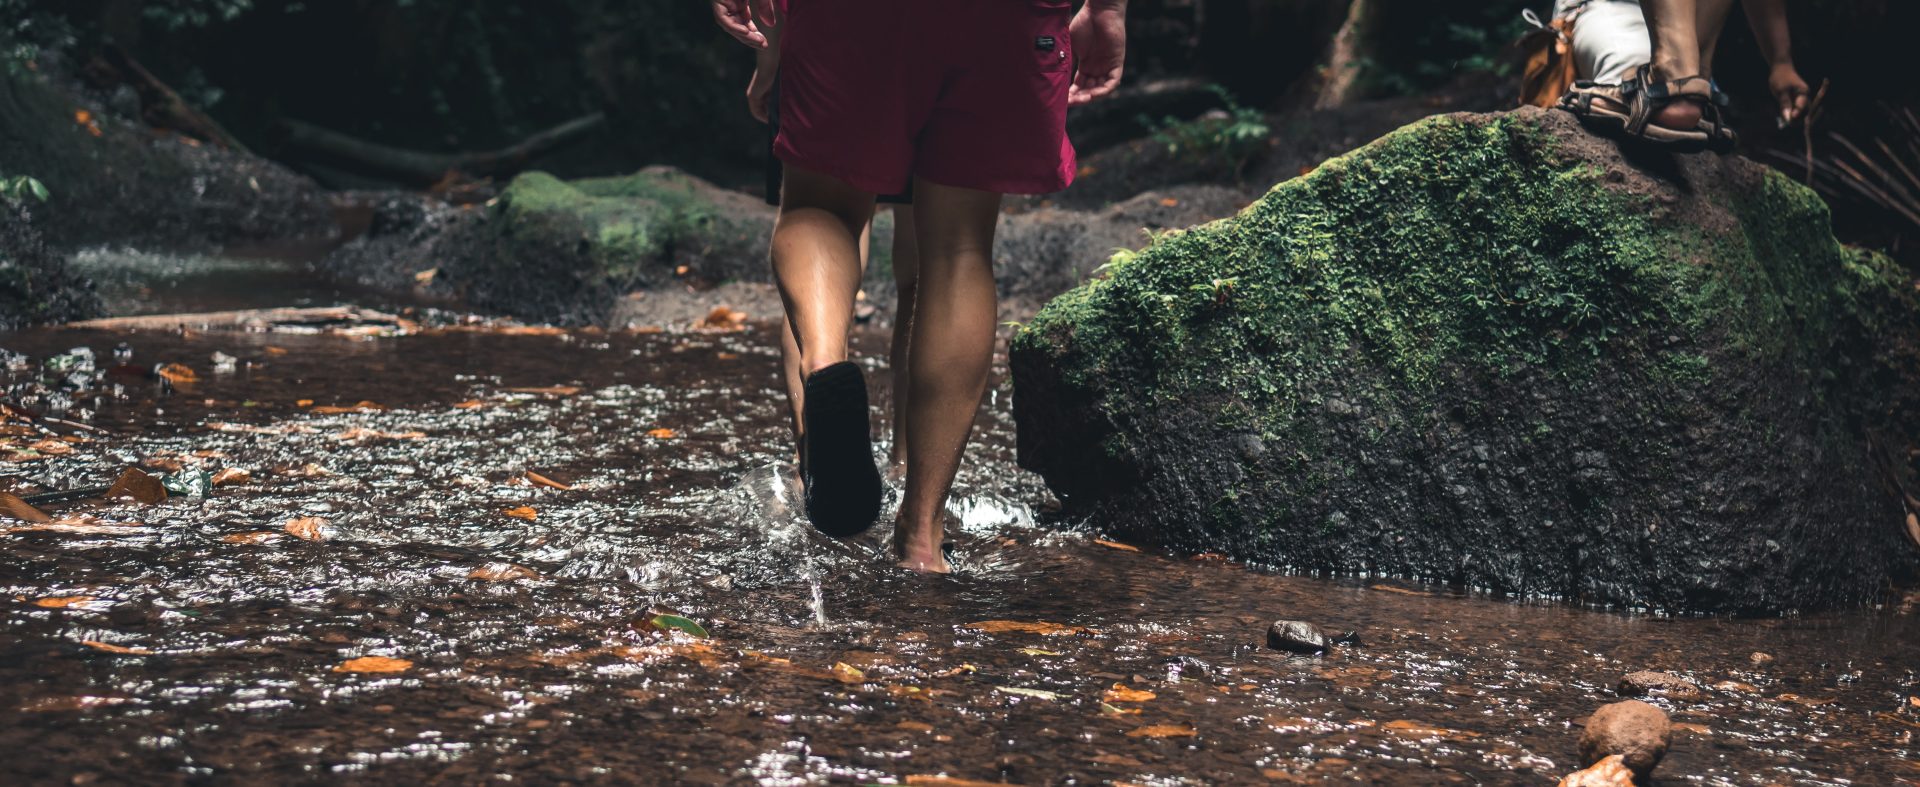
677, 623
188, 483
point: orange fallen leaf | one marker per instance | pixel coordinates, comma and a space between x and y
847, 673
232, 475
176, 373
662, 433
13, 506
62, 602
470, 404
309, 528
272, 350
1121, 692
359, 407
111, 648
139, 487
1168, 202
374, 664
540, 480
722, 318
52, 447
943, 780
303, 403
1163, 731
426, 276
1116, 545
551, 390
502, 572
522, 512
358, 433
82, 117
1025, 627
256, 537
1419, 730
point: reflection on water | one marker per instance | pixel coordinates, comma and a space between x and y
199, 639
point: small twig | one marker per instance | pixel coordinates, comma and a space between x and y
75, 424
65, 495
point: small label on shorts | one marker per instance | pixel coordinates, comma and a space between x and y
1043, 43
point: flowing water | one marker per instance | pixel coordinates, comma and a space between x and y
514, 620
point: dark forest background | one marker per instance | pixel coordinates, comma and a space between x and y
652, 81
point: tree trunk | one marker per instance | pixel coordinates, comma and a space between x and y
1340, 75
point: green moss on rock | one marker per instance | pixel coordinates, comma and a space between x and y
1499, 354
568, 250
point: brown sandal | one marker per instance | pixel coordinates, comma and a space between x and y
1628, 108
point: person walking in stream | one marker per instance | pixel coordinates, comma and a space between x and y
965, 103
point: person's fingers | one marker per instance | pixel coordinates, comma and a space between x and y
733, 17
1092, 85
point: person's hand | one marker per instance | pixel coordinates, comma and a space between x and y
760, 88
1790, 91
1099, 33
736, 17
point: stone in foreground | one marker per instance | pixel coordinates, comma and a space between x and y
1493, 351
1638, 733
1295, 636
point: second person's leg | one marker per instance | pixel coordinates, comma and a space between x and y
906, 279
948, 359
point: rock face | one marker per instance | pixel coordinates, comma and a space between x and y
114, 181
36, 286
1494, 351
1638, 733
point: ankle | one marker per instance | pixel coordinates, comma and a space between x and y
811, 364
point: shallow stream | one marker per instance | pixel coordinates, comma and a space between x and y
501, 516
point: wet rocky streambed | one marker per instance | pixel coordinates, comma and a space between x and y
458, 555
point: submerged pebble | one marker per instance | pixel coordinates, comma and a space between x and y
1648, 683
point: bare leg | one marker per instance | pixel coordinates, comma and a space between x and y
906, 279
1712, 19
949, 356
790, 353
1674, 25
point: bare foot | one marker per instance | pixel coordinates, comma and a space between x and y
920, 555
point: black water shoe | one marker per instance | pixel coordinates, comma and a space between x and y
843, 486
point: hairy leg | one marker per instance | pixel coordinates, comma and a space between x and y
1674, 25
948, 359
906, 278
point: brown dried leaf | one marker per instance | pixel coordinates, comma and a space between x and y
470, 404
662, 433
1163, 731
135, 485
52, 447
310, 528
13, 506
256, 537
540, 480
1416, 729
502, 572
722, 318
111, 648
847, 673
374, 664
232, 475
551, 390
528, 513
176, 373
62, 602
1121, 692
1026, 627
356, 434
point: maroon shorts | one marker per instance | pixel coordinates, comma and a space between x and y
970, 94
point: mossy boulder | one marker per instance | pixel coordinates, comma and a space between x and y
569, 251
1495, 352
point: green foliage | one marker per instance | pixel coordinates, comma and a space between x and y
175, 15
1424, 51
18, 188
1230, 138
